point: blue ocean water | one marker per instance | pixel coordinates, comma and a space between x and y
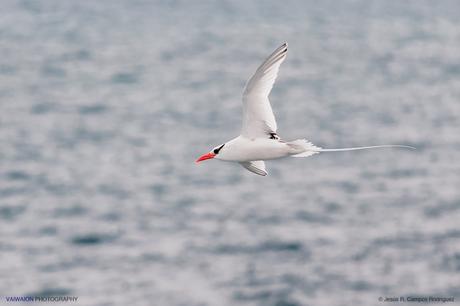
105, 105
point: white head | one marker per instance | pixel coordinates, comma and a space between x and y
214, 153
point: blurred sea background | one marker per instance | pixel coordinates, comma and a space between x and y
105, 105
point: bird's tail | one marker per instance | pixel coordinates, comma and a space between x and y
304, 148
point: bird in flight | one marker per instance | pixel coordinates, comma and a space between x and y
258, 140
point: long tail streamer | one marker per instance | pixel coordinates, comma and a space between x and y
364, 148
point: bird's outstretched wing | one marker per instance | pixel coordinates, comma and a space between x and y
258, 118
257, 167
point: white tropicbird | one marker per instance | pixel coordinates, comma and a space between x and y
258, 140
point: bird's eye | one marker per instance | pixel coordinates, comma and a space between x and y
216, 151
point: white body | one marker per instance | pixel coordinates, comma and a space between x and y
244, 149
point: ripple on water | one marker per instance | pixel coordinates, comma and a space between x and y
275, 296
268, 246
48, 231
70, 211
92, 239
441, 208
94, 109
12, 191
280, 246
451, 262
51, 70
125, 78
313, 217
17, 175
11, 212
43, 108
158, 189
360, 285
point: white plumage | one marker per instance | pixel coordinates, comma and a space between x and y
258, 118
258, 140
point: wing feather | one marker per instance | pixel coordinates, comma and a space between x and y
257, 167
258, 118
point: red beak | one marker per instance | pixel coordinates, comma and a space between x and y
205, 157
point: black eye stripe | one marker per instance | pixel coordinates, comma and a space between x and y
216, 151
